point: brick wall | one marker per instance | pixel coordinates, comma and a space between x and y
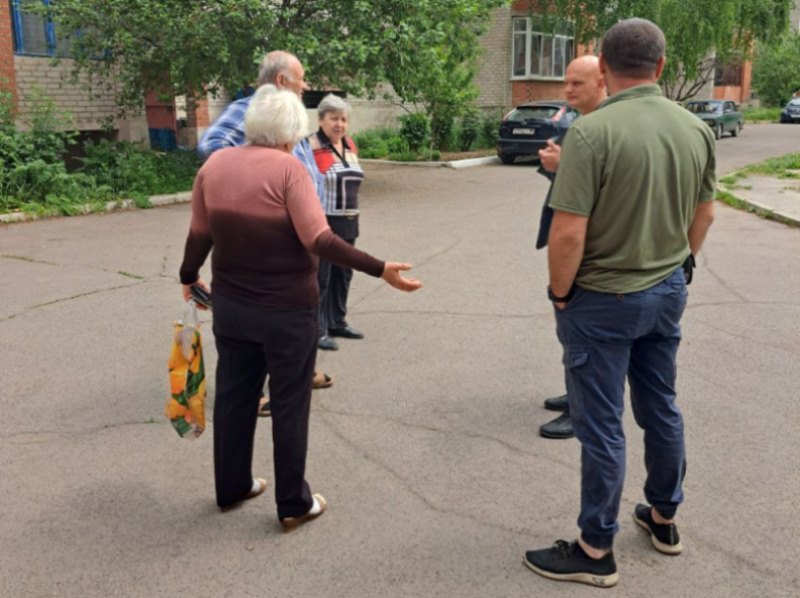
7, 77
53, 81
494, 63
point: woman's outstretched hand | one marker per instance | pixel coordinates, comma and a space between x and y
391, 274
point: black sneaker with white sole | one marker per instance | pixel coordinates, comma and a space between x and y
665, 538
566, 561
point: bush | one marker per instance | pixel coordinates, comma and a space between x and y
442, 122
490, 129
405, 156
470, 128
128, 169
415, 129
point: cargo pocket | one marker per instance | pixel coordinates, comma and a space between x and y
575, 365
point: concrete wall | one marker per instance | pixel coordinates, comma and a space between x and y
87, 112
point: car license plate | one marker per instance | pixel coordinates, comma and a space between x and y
793, 116
524, 131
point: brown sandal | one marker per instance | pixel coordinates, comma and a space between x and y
321, 380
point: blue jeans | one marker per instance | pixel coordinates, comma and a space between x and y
607, 338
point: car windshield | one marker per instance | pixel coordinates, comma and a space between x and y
698, 107
794, 103
530, 112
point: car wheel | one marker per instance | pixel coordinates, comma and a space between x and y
717, 131
506, 158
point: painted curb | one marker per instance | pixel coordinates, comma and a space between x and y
455, 164
111, 206
758, 207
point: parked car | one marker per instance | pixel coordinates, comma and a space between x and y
526, 129
791, 112
721, 115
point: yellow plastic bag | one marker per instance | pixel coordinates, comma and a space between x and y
185, 408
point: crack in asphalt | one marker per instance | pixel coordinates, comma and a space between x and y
410, 489
715, 276
454, 314
24, 258
747, 338
72, 434
27, 310
424, 262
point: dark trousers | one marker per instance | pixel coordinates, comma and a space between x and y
253, 343
607, 338
334, 286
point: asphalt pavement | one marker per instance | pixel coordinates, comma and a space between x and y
426, 445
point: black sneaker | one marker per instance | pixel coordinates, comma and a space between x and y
665, 538
560, 427
566, 561
557, 403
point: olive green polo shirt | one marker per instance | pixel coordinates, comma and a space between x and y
637, 167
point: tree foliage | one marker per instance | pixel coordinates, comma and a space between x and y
776, 70
694, 30
424, 48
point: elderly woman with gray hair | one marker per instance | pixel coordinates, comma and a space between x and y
337, 160
256, 206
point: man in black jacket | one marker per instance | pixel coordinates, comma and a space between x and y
585, 90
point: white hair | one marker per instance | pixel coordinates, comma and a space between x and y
332, 103
274, 64
275, 117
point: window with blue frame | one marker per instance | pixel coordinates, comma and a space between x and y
35, 34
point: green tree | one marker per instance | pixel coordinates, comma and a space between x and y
696, 31
424, 48
776, 70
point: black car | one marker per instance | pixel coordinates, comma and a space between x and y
791, 112
526, 129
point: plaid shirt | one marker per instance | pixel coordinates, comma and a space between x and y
341, 174
228, 131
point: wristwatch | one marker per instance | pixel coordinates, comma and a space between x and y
556, 299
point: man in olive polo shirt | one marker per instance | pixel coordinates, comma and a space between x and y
633, 199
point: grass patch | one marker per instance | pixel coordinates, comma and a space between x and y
762, 115
129, 275
783, 167
738, 203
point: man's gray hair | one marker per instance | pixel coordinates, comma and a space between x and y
272, 65
633, 47
332, 103
275, 117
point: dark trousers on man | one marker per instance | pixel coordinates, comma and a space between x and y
252, 343
334, 286
607, 338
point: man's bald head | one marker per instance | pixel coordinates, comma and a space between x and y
283, 70
585, 87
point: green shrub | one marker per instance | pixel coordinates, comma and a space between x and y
436, 155
470, 128
414, 130
128, 169
397, 145
442, 129
405, 156
490, 129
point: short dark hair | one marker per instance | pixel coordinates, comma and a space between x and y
633, 47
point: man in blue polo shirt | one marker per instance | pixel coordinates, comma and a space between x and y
633, 199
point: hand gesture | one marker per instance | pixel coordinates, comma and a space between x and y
391, 274
550, 156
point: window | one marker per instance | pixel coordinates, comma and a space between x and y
537, 54
728, 73
35, 34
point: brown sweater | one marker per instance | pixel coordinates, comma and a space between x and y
258, 209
